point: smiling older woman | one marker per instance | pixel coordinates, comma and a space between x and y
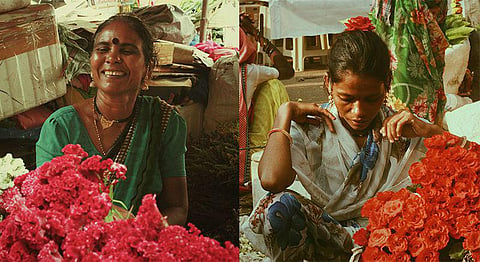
144, 133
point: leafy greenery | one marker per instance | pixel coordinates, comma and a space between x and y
193, 8
457, 29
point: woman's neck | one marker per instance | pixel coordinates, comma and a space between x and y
116, 107
360, 133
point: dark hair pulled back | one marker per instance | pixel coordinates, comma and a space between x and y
140, 28
361, 53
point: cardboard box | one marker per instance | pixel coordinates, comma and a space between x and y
30, 59
170, 52
164, 50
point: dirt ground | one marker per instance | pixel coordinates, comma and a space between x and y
307, 86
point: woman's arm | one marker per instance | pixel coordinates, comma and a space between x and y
275, 168
284, 68
173, 201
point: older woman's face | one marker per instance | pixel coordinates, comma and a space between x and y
117, 59
358, 100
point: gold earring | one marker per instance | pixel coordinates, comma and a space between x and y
145, 84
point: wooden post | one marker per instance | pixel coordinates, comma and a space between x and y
204, 21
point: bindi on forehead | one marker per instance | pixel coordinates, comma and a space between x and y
115, 41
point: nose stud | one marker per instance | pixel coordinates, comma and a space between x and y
115, 59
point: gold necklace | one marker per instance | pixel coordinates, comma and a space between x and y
104, 122
99, 140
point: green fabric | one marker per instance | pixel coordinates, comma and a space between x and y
151, 156
413, 31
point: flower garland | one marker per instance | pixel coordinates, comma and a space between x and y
441, 219
60, 211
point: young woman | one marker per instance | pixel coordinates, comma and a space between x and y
144, 133
343, 153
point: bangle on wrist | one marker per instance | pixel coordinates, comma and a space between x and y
275, 130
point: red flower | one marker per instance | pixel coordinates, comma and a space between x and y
472, 241
379, 237
392, 207
401, 257
474, 204
361, 237
457, 206
435, 233
359, 23
399, 225
420, 175
49, 252
19, 252
57, 212
75, 150
446, 205
147, 213
428, 256
416, 245
397, 243
465, 184
442, 141
370, 207
385, 196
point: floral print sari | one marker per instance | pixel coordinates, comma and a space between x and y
296, 229
413, 31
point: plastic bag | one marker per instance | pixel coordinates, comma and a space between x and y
456, 62
168, 22
223, 93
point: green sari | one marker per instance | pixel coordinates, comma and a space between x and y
157, 148
414, 32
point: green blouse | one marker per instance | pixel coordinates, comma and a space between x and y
152, 154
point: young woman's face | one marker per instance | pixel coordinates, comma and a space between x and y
358, 100
117, 59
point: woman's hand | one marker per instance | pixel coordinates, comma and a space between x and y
405, 124
307, 113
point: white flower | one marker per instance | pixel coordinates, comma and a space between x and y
9, 169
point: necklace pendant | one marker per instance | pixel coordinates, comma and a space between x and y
106, 123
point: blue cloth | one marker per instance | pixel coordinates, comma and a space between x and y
368, 156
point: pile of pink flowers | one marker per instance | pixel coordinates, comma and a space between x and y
442, 217
60, 211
